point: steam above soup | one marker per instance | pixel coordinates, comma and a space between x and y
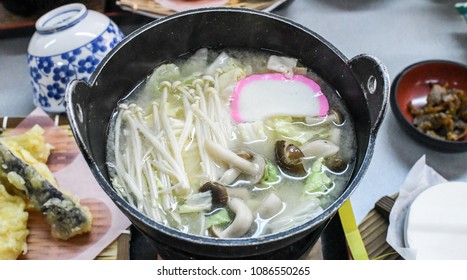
231, 144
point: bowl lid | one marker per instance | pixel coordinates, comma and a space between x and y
66, 28
61, 18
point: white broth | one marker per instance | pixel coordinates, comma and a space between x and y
180, 151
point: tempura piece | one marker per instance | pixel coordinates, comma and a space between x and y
13, 226
30, 144
32, 148
23, 170
66, 217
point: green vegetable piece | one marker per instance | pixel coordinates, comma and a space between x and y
220, 217
271, 174
165, 72
317, 181
196, 202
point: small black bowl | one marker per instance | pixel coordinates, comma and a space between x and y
414, 83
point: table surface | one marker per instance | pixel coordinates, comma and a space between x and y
397, 32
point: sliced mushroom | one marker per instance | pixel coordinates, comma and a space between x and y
249, 163
229, 176
270, 206
336, 117
300, 70
219, 194
258, 161
240, 225
289, 158
225, 155
333, 116
319, 148
261, 163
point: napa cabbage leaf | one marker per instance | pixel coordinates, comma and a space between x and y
296, 130
317, 181
219, 218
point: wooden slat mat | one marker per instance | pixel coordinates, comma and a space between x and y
373, 230
119, 249
12, 122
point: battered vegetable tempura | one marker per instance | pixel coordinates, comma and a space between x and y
23, 170
13, 226
31, 148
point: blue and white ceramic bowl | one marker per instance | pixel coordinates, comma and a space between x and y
68, 44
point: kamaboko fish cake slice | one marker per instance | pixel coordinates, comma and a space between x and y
65, 215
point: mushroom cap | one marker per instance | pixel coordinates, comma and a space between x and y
257, 161
240, 225
218, 192
289, 158
333, 116
338, 117
225, 155
319, 148
336, 164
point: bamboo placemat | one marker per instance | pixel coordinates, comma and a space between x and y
374, 229
117, 250
151, 7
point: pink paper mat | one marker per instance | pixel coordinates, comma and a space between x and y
74, 177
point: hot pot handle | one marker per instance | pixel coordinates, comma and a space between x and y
374, 80
76, 97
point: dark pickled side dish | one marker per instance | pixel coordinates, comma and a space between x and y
444, 116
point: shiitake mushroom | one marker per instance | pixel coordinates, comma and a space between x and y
336, 164
218, 192
289, 158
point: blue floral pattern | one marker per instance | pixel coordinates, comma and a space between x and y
88, 64
51, 75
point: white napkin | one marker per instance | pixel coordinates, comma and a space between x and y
420, 178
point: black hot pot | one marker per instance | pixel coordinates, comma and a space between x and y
362, 82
